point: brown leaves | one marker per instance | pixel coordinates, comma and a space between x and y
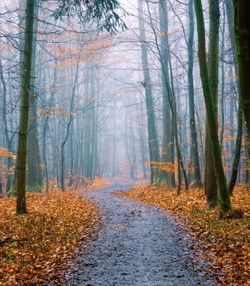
224, 241
40, 243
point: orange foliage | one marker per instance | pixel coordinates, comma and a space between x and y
224, 241
35, 248
168, 167
4, 152
96, 184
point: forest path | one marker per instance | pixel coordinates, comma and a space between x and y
138, 245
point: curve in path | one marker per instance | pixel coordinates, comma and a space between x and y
138, 245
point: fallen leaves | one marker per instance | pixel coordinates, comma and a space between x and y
35, 248
224, 241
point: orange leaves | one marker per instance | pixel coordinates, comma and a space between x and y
41, 243
168, 167
56, 112
96, 184
4, 152
225, 242
100, 182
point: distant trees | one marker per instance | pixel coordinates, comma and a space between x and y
80, 85
107, 19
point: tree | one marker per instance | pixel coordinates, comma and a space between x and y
213, 65
242, 37
24, 109
154, 155
194, 144
236, 160
225, 203
34, 173
101, 13
167, 177
104, 16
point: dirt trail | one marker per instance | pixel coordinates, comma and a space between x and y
138, 245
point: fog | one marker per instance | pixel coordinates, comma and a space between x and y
103, 105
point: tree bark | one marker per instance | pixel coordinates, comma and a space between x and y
242, 37
194, 145
225, 203
34, 173
166, 93
213, 65
152, 132
24, 110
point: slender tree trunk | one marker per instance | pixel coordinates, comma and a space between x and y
152, 132
174, 113
236, 160
86, 123
142, 147
68, 128
24, 110
242, 37
222, 80
225, 203
194, 144
166, 92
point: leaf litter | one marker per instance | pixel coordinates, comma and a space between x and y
35, 248
224, 240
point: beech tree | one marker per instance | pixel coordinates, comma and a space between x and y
152, 132
225, 203
24, 111
213, 66
242, 37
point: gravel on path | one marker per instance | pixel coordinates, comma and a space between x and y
137, 245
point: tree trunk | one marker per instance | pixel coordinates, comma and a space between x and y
225, 203
194, 145
242, 37
34, 173
213, 63
236, 160
24, 110
152, 132
68, 127
166, 93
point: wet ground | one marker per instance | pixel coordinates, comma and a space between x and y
138, 245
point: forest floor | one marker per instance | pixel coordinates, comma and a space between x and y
123, 236
35, 248
138, 245
223, 241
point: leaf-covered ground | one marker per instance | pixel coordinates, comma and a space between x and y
224, 241
35, 248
